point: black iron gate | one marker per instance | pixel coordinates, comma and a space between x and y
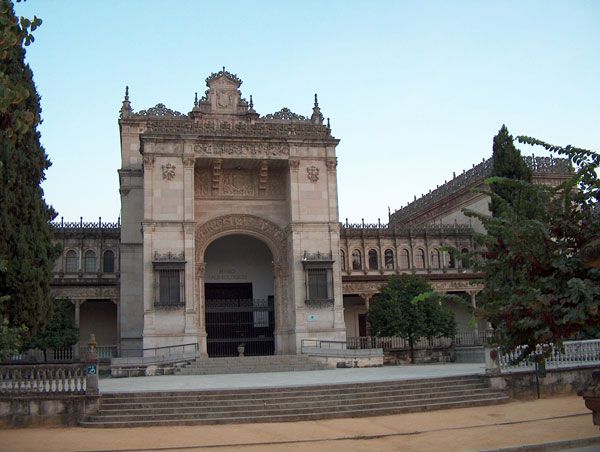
231, 322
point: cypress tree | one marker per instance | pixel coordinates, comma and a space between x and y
507, 163
25, 232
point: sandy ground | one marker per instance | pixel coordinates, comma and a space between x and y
465, 429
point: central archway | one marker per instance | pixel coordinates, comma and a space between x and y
239, 297
275, 238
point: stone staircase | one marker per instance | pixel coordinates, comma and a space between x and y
291, 404
250, 364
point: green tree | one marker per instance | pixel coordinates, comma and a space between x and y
537, 288
60, 331
10, 336
408, 308
507, 163
25, 233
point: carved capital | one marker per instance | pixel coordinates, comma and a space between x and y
331, 163
188, 162
294, 163
200, 269
148, 161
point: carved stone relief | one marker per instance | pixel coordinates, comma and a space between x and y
312, 173
272, 234
259, 150
239, 183
168, 171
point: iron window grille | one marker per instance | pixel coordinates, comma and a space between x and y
169, 281
318, 273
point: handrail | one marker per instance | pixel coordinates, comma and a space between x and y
159, 351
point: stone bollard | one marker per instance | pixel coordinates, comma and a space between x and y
91, 368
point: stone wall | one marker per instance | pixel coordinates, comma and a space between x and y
422, 355
45, 409
521, 384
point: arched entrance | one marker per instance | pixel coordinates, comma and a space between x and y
239, 296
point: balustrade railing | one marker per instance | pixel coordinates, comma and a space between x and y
468, 338
573, 353
42, 378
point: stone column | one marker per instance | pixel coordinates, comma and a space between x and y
279, 310
200, 306
474, 306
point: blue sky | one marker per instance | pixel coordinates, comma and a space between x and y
414, 90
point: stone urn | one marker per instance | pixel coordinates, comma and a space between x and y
241, 349
591, 395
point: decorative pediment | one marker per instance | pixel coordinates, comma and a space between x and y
223, 74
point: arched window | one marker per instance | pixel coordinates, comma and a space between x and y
108, 262
420, 258
404, 259
389, 259
71, 262
356, 260
373, 260
342, 260
90, 262
435, 258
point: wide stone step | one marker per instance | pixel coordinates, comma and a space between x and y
337, 413
321, 389
250, 364
270, 404
261, 411
365, 393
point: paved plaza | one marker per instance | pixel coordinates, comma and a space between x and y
286, 379
563, 421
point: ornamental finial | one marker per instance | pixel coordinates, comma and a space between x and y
316, 101
251, 101
196, 99
126, 109
328, 125
223, 69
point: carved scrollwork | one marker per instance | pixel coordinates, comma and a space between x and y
223, 73
286, 114
269, 232
259, 150
160, 110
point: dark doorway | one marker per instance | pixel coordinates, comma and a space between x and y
234, 317
362, 325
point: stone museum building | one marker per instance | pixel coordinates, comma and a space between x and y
230, 233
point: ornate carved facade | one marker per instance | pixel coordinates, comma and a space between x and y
199, 190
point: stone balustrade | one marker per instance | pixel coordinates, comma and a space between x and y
573, 353
43, 379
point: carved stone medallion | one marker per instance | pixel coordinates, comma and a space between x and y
168, 171
312, 173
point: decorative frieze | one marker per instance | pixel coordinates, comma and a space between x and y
254, 150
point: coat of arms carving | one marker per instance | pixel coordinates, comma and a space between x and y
313, 173
168, 171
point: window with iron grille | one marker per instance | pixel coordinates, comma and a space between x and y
317, 284
169, 284
318, 271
